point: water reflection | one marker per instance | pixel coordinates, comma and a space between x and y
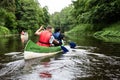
10, 44
92, 60
45, 74
98, 46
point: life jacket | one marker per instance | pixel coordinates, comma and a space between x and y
44, 38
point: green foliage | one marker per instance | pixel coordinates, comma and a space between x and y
10, 21
112, 30
4, 31
82, 29
63, 19
7, 19
14, 31
17, 15
55, 19
99, 13
30, 32
109, 39
46, 15
29, 14
8, 5
2, 16
96, 11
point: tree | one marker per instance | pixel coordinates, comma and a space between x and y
63, 19
46, 16
96, 11
22, 14
9, 5
29, 14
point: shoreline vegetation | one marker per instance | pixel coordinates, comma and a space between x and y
19, 15
109, 34
5, 32
112, 30
97, 18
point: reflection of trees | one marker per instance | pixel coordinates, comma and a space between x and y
104, 45
3, 42
82, 40
16, 44
10, 44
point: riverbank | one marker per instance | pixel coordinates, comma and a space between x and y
82, 29
112, 30
4, 31
87, 30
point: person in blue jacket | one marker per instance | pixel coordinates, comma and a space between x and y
57, 35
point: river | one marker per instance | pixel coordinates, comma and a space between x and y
92, 60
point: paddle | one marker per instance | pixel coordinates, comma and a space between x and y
72, 44
65, 50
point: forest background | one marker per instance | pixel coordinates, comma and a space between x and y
85, 17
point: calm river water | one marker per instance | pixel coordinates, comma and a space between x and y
93, 60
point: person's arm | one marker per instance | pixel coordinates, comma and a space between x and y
53, 40
39, 31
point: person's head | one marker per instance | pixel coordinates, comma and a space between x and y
57, 30
49, 28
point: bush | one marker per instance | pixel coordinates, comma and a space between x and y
111, 31
15, 31
4, 30
82, 29
30, 32
2, 16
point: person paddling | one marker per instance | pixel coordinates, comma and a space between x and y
45, 36
57, 34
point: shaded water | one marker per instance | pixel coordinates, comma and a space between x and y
93, 60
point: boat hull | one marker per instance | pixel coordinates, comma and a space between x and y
32, 50
31, 55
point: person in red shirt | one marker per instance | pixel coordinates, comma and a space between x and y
45, 36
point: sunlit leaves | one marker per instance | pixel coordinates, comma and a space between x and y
22, 14
97, 11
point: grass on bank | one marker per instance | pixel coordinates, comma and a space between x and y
111, 31
82, 29
4, 31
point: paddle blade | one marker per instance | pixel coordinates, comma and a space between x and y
64, 49
72, 45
